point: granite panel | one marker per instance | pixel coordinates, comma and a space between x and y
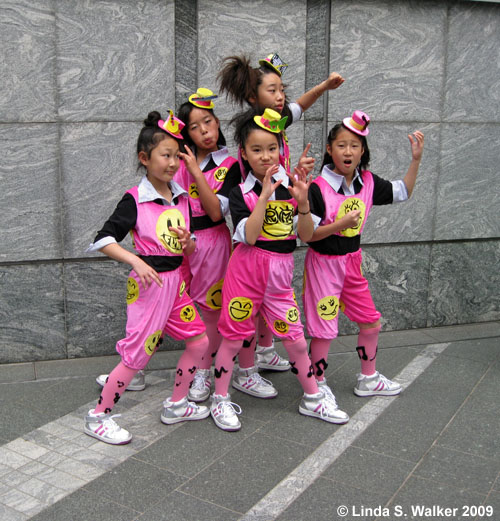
317, 62
243, 27
469, 176
29, 181
186, 50
96, 308
99, 164
116, 59
390, 153
393, 68
314, 134
464, 283
473, 53
27, 68
32, 313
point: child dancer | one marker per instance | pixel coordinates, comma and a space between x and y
259, 274
262, 88
342, 197
208, 173
157, 213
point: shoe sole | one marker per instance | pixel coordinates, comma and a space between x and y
129, 388
307, 412
105, 440
171, 421
253, 393
225, 427
276, 368
366, 394
198, 400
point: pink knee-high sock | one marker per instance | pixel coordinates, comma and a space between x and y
301, 364
246, 356
115, 386
214, 337
367, 349
187, 365
224, 363
265, 338
319, 356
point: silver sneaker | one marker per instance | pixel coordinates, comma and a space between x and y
200, 388
268, 358
319, 406
225, 413
328, 393
138, 382
250, 382
376, 385
183, 410
104, 428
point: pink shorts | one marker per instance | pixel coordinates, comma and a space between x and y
259, 281
205, 268
154, 312
333, 283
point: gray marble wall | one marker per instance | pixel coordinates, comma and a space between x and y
77, 78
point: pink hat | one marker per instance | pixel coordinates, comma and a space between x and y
172, 125
358, 123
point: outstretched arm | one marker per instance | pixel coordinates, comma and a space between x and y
417, 147
333, 81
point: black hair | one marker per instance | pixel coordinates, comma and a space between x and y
365, 158
151, 135
183, 114
240, 81
244, 125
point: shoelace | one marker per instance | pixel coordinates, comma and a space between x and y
107, 422
255, 377
327, 392
199, 381
228, 408
387, 383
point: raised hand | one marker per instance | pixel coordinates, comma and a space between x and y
334, 81
268, 187
417, 144
306, 162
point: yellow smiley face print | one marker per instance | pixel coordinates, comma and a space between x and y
292, 315
188, 313
132, 291
214, 295
353, 203
278, 220
220, 174
169, 239
281, 327
193, 191
240, 308
328, 307
152, 342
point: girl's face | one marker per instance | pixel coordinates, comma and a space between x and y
163, 162
203, 129
346, 151
261, 151
271, 93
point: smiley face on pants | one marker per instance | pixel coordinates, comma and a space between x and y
240, 308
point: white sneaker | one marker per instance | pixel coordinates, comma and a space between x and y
104, 428
183, 410
138, 382
250, 382
268, 358
376, 385
319, 406
200, 388
328, 393
225, 413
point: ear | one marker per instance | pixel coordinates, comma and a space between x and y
329, 149
243, 154
252, 100
143, 158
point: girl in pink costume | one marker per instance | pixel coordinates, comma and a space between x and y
265, 209
157, 214
208, 173
341, 198
262, 88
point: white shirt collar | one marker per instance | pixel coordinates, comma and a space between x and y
336, 181
147, 192
218, 156
251, 180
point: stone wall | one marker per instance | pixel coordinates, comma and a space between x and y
78, 78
